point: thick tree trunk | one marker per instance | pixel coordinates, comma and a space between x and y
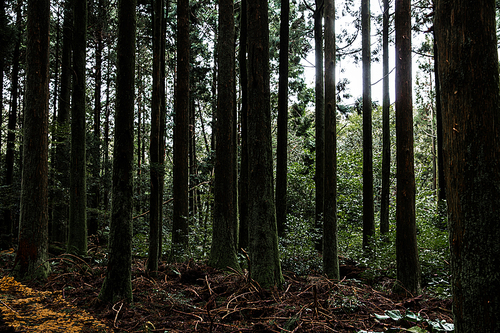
368, 219
117, 283
282, 140
223, 251
469, 79
265, 265
386, 130
408, 267
77, 238
330, 252
31, 258
180, 227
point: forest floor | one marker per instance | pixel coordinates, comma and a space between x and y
192, 297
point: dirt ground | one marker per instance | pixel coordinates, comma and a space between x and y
192, 297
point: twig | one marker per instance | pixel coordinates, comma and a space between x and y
8, 307
117, 312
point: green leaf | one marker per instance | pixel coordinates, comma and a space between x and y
441, 326
394, 314
412, 316
381, 317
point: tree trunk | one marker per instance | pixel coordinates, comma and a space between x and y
441, 184
386, 130
368, 219
77, 240
469, 78
32, 256
408, 267
282, 140
154, 143
117, 283
223, 250
243, 184
330, 253
265, 265
180, 227
319, 178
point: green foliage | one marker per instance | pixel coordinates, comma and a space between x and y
412, 318
297, 247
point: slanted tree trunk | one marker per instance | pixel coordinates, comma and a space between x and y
117, 283
469, 79
386, 130
408, 267
223, 250
180, 227
282, 140
77, 238
265, 265
32, 253
330, 252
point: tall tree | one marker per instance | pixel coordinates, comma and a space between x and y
223, 250
12, 121
441, 184
154, 144
408, 267
330, 253
59, 219
180, 239
368, 219
282, 140
77, 238
386, 134
32, 253
117, 283
243, 183
95, 188
319, 178
469, 78
265, 267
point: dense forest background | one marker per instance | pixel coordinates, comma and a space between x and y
82, 126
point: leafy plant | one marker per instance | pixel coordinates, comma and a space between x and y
410, 317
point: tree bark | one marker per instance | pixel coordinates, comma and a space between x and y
154, 143
117, 283
243, 184
408, 267
386, 130
319, 178
77, 238
265, 266
469, 79
32, 253
223, 250
368, 219
330, 252
180, 227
